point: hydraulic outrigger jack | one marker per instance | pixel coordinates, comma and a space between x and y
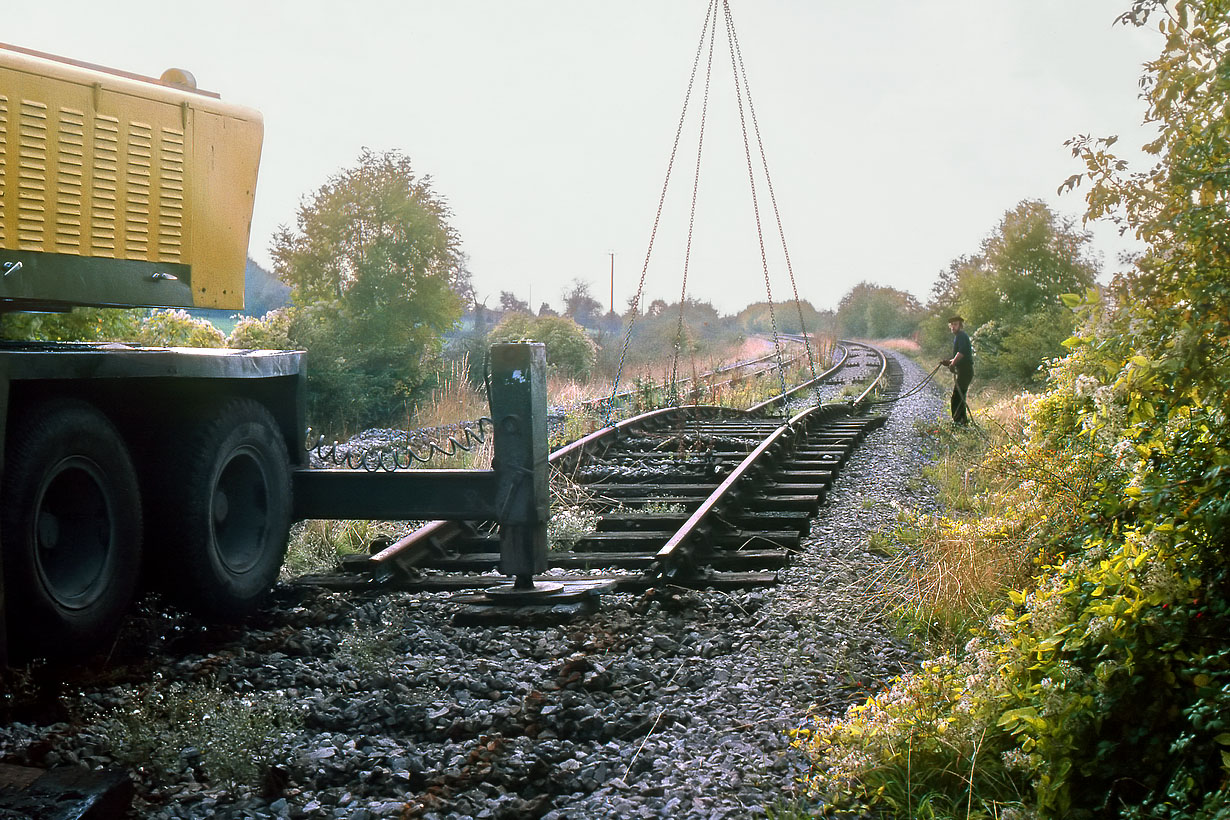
519, 410
514, 493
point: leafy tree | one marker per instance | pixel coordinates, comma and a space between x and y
877, 312
509, 303
1009, 293
375, 269
755, 318
580, 305
569, 349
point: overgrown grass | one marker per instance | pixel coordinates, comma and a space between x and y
453, 399
318, 545
946, 575
948, 572
226, 738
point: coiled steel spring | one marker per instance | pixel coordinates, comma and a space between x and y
400, 454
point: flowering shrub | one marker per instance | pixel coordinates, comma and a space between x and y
269, 332
176, 328
1103, 690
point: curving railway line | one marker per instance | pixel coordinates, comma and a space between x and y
702, 496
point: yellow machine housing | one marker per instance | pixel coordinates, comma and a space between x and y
121, 190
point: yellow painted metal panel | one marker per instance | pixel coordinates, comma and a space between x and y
221, 204
4, 167
97, 163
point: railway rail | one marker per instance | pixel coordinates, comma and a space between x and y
711, 383
697, 496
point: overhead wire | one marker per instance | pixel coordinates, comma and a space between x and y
742, 89
636, 299
764, 161
687, 255
751, 177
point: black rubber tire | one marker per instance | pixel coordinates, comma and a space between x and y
70, 525
224, 513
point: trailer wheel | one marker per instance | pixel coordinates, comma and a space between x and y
70, 526
228, 513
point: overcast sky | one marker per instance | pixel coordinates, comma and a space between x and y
897, 132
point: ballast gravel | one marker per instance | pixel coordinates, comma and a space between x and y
671, 703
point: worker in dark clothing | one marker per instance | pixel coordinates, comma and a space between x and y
961, 364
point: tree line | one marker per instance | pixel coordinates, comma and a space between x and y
379, 295
1010, 293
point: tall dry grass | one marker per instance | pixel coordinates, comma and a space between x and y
453, 400
948, 571
316, 545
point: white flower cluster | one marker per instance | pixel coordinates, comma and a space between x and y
980, 659
1059, 691
1085, 386
568, 525
1162, 581
1050, 613
1015, 760
1099, 629
1123, 449
1017, 813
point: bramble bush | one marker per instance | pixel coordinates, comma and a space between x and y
1102, 689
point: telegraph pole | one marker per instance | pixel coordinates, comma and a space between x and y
612, 253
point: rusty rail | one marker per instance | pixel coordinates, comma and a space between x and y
811, 444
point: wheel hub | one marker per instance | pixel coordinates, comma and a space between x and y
73, 532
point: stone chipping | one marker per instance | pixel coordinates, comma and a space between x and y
669, 703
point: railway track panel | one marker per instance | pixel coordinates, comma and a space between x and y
695, 496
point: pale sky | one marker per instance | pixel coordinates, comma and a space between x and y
897, 132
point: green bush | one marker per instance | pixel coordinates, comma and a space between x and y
175, 328
77, 325
568, 348
1103, 691
1018, 351
157, 328
269, 332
